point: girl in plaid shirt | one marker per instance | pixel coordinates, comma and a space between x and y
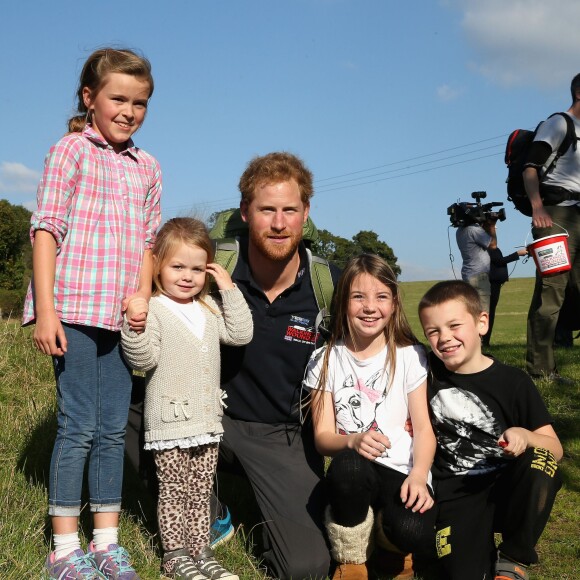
92, 234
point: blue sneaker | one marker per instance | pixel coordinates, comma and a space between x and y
114, 563
221, 530
77, 565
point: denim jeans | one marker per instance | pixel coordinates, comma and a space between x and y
93, 393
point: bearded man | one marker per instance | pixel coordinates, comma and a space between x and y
263, 431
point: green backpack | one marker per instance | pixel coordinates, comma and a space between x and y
229, 225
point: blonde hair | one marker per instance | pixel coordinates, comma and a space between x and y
94, 75
397, 332
176, 231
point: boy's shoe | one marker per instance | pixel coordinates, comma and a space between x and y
114, 563
178, 565
77, 565
221, 530
207, 565
506, 569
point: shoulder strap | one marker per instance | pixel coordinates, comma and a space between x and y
226, 253
228, 250
570, 138
322, 284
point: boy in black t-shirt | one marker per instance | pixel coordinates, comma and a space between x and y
496, 462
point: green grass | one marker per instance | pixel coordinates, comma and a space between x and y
27, 428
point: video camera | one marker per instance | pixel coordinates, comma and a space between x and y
467, 213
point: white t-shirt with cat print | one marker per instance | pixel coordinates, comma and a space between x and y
365, 399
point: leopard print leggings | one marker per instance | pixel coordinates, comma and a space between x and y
185, 483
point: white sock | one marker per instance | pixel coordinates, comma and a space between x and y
103, 537
65, 544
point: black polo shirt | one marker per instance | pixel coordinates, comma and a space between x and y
263, 379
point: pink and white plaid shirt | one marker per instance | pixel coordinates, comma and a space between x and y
103, 209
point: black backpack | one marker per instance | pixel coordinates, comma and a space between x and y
516, 154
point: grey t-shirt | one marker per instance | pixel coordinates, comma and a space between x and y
473, 241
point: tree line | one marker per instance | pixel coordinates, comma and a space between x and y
15, 257
16, 253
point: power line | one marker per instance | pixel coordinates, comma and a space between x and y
414, 158
412, 166
327, 187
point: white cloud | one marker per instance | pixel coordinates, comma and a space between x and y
523, 42
448, 93
348, 64
16, 178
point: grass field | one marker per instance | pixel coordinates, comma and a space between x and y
27, 427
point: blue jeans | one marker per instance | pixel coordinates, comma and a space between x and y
93, 385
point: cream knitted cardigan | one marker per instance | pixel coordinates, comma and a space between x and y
183, 396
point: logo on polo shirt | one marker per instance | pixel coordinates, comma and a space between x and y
300, 331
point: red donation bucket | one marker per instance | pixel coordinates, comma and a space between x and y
551, 254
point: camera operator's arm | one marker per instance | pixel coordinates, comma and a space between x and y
489, 227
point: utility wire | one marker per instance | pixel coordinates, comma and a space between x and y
326, 187
411, 173
331, 185
414, 158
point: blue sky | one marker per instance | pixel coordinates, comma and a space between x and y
399, 108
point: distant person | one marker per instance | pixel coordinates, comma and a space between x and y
262, 422
495, 468
498, 276
556, 207
179, 351
369, 379
93, 230
474, 241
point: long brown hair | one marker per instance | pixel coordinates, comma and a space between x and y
397, 332
94, 75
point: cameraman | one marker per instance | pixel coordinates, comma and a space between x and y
473, 241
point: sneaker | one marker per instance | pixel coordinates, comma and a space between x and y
221, 530
77, 565
178, 565
114, 563
206, 564
506, 569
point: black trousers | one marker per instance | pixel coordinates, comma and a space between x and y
516, 502
355, 484
493, 300
286, 475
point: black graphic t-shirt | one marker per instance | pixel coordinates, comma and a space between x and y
469, 412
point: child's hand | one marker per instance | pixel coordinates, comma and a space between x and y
415, 494
514, 441
370, 445
49, 336
136, 310
221, 276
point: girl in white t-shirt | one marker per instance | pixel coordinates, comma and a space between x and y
366, 383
